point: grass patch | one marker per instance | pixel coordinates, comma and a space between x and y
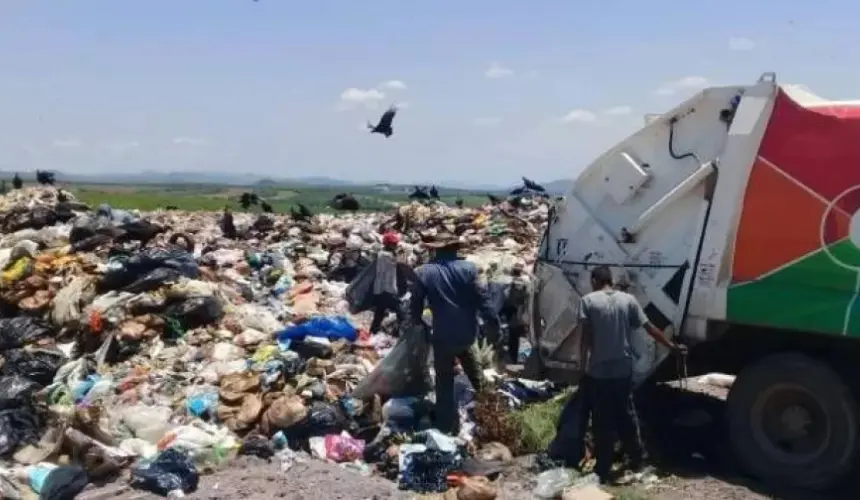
537, 423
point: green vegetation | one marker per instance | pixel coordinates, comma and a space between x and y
213, 197
537, 423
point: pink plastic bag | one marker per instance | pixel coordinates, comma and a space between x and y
343, 448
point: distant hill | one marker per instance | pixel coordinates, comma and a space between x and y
250, 179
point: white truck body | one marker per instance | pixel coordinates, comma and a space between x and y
734, 218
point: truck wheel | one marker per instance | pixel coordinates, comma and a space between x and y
792, 420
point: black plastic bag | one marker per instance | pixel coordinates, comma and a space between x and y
64, 483
37, 365
257, 446
170, 471
195, 312
324, 418
359, 293
153, 280
18, 427
427, 472
22, 330
16, 391
403, 372
149, 259
308, 349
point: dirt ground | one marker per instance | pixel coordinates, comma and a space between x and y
682, 428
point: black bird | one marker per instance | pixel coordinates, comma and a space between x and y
384, 125
519, 191
419, 193
495, 200
45, 178
345, 201
434, 193
248, 199
459, 202
228, 227
171, 207
534, 186
305, 211
266, 207
17, 183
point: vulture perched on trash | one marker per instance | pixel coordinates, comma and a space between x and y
17, 183
345, 201
45, 178
303, 213
459, 202
248, 199
228, 227
434, 193
419, 193
495, 200
534, 186
266, 207
384, 125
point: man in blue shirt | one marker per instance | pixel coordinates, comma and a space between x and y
453, 290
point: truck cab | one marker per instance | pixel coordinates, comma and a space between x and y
734, 218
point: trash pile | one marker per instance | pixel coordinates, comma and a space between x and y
152, 348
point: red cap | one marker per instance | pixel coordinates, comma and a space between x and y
390, 238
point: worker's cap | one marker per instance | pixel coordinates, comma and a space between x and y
390, 239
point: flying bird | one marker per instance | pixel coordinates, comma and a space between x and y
384, 125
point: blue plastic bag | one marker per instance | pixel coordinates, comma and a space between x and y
331, 327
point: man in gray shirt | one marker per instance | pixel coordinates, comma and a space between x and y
610, 318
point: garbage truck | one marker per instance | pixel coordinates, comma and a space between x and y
734, 218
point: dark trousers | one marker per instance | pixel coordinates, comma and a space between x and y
569, 442
382, 304
614, 416
447, 419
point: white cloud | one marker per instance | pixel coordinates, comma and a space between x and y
579, 116
67, 143
189, 141
393, 85
496, 71
369, 98
740, 43
487, 121
685, 83
618, 111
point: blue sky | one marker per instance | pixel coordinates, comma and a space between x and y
236, 85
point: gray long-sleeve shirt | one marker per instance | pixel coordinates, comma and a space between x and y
456, 297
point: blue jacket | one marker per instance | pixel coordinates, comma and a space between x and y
456, 297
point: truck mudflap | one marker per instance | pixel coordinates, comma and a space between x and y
556, 333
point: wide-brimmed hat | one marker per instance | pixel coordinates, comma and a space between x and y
442, 239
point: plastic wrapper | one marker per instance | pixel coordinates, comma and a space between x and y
172, 470
403, 372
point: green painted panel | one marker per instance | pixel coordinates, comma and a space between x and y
813, 294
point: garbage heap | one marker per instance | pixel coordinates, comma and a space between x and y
149, 347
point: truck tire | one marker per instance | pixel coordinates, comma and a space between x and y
792, 420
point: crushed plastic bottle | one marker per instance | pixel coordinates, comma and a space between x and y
551, 483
